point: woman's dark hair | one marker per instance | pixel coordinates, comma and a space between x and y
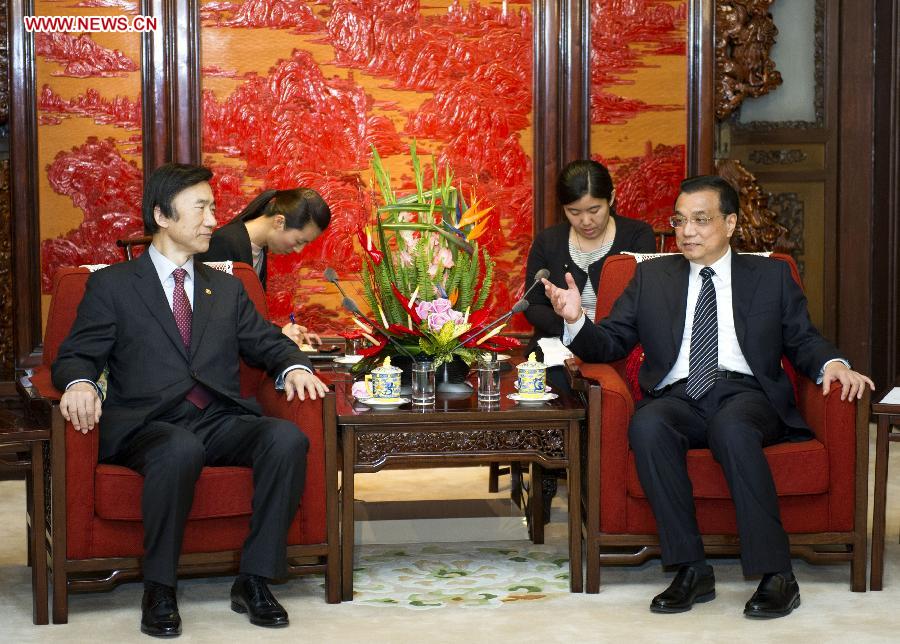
583, 177
729, 202
164, 185
299, 206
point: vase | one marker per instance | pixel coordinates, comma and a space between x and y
451, 377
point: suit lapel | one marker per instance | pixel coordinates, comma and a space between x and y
203, 300
675, 292
151, 291
744, 282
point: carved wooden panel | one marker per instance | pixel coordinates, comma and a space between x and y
4, 69
745, 33
757, 227
373, 447
7, 351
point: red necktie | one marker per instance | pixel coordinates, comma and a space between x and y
181, 307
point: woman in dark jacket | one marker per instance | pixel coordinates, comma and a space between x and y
277, 221
592, 231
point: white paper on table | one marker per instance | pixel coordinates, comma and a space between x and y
555, 352
892, 397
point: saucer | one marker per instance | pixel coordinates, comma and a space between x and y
383, 403
531, 401
353, 359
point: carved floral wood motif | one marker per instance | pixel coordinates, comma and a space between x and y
757, 228
7, 355
745, 33
373, 447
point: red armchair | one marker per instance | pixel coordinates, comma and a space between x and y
822, 484
95, 534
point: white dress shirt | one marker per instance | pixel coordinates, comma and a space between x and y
731, 358
165, 268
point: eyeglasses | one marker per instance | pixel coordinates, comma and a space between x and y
677, 221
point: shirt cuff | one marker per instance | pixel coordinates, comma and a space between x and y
571, 330
279, 381
92, 383
821, 376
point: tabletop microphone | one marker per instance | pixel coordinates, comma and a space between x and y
332, 276
351, 306
540, 275
518, 307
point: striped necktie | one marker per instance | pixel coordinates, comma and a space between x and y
704, 355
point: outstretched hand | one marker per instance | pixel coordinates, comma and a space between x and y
566, 301
852, 383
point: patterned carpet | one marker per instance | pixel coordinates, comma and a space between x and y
459, 575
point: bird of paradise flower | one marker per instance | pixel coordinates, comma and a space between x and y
424, 275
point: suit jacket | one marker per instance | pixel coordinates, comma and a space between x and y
232, 242
550, 250
770, 318
124, 322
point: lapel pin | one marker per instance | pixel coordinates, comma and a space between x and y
208, 292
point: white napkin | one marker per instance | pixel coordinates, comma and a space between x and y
555, 353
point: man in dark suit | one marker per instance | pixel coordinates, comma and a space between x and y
172, 332
713, 325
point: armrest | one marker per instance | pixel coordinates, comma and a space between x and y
606, 448
309, 416
832, 420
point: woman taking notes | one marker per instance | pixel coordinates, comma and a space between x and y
277, 221
592, 231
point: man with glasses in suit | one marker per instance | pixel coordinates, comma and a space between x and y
713, 325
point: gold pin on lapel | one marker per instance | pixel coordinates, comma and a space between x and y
208, 292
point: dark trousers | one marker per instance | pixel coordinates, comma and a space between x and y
171, 451
735, 421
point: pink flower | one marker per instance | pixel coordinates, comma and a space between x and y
441, 305
359, 390
456, 317
410, 237
436, 321
444, 258
423, 308
405, 258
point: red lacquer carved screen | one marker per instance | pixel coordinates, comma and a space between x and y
638, 101
296, 94
89, 138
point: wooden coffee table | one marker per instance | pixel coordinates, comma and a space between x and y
458, 431
887, 411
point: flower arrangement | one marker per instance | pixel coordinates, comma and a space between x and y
424, 275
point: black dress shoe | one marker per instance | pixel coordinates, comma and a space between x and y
691, 585
159, 611
777, 595
250, 594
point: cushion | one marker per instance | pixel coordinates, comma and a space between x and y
797, 468
220, 492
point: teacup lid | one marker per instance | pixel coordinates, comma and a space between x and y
387, 368
532, 364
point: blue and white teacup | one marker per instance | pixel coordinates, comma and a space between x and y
384, 381
532, 381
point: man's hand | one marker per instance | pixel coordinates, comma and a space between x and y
852, 383
300, 334
303, 383
80, 404
566, 301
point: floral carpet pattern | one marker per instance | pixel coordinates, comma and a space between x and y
465, 575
